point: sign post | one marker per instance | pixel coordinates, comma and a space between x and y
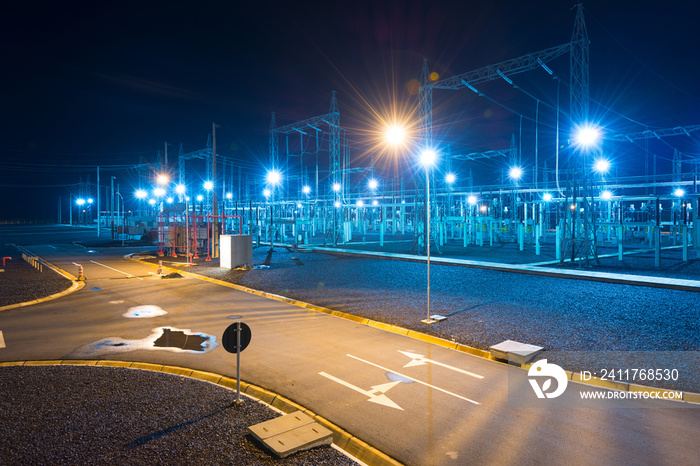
237, 338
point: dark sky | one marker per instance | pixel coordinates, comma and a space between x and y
107, 83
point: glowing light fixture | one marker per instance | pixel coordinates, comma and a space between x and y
267, 192
208, 185
337, 204
360, 203
306, 189
428, 157
80, 201
274, 177
546, 197
159, 192
200, 198
180, 189
336, 187
162, 179
373, 184
587, 135
679, 192
375, 203
471, 200
450, 178
601, 166
515, 173
395, 135
141, 194
606, 195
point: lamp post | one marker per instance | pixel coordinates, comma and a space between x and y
427, 159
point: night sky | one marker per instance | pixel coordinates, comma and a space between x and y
107, 83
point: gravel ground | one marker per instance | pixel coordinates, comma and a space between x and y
103, 415
21, 282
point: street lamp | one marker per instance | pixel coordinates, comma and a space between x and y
427, 158
515, 173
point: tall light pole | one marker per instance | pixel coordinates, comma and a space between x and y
428, 159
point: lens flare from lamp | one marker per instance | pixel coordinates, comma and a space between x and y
274, 177
395, 135
601, 166
515, 173
587, 135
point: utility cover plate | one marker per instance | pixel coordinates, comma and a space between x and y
291, 433
516, 352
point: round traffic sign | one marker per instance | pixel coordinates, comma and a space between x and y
230, 338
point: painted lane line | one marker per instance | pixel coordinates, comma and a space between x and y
419, 360
415, 380
112, 268
52, 247
76, 264
2, 340
373, 396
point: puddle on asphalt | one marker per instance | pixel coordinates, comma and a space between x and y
145, 311
179, 339
394, 377
162, 339
96, 288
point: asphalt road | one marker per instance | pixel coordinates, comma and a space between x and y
417, 402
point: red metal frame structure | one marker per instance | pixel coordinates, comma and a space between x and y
178, 222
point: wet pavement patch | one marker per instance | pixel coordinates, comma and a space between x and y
162, 338
144, 311
96, 288
394, 377
172, 275
179, 339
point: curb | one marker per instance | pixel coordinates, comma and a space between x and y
350, 444
688, 397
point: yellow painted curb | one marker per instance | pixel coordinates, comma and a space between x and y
146, 366
109, 363
206, 376
610, 384
177, 370
73, 362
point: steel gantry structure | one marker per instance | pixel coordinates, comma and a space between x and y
332, 121
580, 241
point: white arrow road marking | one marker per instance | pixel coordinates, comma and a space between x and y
415, 380
419, 360
111, 268
373, 395
2, 340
